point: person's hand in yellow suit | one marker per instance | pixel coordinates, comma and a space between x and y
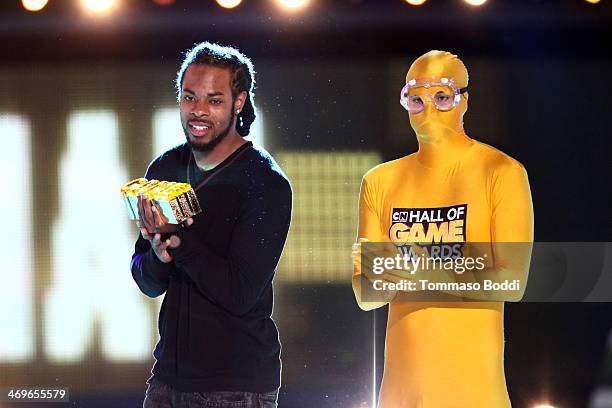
363, 255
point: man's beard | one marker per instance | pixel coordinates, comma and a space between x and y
207, 147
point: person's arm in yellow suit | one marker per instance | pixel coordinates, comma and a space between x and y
511, 222
369, 229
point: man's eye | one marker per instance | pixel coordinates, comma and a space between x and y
415, 99
216, 101
188, 98
442, 97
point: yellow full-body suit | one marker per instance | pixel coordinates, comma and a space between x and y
446, 354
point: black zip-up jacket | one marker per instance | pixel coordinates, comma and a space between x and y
216, 333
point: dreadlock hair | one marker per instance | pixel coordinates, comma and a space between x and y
242, 76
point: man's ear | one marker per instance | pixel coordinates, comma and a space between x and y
240, 101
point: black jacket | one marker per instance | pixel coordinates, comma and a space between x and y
216, 333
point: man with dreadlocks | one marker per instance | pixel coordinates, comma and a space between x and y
218, 344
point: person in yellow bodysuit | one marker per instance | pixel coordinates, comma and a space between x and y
445, 354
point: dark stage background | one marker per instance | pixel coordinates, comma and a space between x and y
87, 101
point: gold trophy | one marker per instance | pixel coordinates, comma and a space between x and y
176, 201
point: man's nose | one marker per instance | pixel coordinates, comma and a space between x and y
429, 107
200, 108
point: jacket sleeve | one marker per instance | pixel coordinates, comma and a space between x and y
150, 274
236, 279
